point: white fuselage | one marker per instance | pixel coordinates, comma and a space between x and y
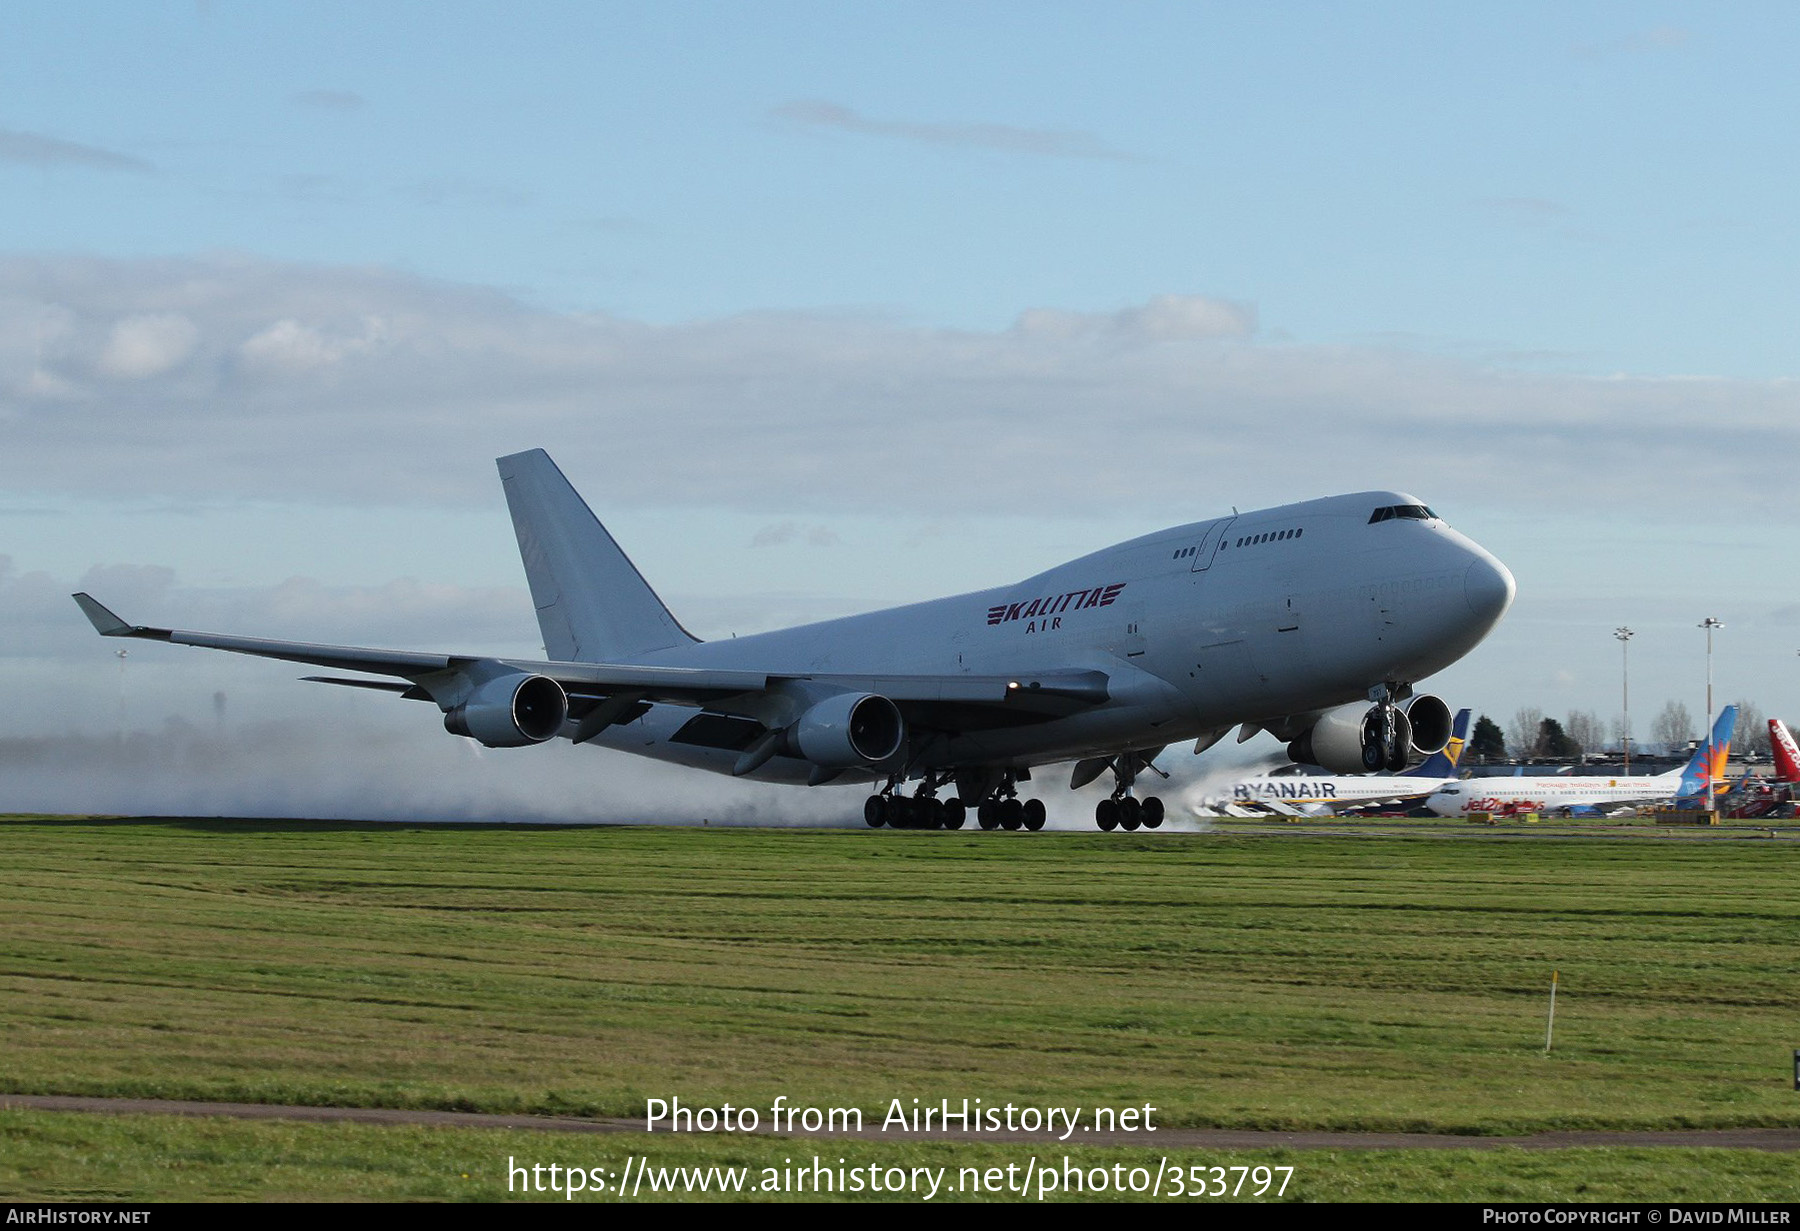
1329, 792
1251, 618
1548, 794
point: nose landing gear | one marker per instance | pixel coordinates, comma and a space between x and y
1386, 734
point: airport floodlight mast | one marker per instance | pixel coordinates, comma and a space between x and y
1709, 623
1625, 635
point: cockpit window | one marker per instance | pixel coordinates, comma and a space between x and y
1417, 512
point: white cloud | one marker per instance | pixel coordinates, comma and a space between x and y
144, 346
358, 385
289, 346
1166, 318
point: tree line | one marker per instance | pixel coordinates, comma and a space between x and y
1532, 735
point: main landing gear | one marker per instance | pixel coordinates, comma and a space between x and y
1001, 809
1123, 810
898, 811
1005, 810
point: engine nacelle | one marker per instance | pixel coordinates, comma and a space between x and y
851, 729
511, 711
1431, 723
1335, 742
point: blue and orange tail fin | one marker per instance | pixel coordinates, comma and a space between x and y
1442, 763
1708, 761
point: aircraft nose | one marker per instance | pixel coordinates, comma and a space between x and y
1489, 588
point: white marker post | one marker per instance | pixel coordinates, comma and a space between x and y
1550, 1029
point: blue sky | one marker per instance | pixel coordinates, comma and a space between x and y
1598, 187
826, 306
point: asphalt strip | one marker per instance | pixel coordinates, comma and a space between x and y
1233, 1139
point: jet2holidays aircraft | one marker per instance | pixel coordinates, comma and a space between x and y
1571, 792
1311, 621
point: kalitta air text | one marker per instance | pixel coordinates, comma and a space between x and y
1052, 605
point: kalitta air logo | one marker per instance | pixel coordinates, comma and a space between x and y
1045, 613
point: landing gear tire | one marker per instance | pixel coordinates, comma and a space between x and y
987, 814
1131, 814
1152, 813
1012, 814
1034, 814
875, 811
955, 814
1106, 814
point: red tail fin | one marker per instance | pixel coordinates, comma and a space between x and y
1787, 756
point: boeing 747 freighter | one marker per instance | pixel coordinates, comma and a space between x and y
1312, 621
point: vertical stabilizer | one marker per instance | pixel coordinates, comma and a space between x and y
592, 603
1787, 757
1708, 762
1443, 762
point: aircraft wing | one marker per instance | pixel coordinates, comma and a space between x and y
1397, 799
980, 700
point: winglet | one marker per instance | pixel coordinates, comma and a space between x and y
105, 622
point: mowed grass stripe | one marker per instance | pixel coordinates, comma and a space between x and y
1328, 982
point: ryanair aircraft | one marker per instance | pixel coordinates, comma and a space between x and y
1301, 794
1311, 621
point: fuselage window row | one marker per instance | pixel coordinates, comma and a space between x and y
1270, 536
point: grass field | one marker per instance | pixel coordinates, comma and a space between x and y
77, 1157
1269, 981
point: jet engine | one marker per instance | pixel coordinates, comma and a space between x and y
1430, 720
1347, 740
850, 729
511, 711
